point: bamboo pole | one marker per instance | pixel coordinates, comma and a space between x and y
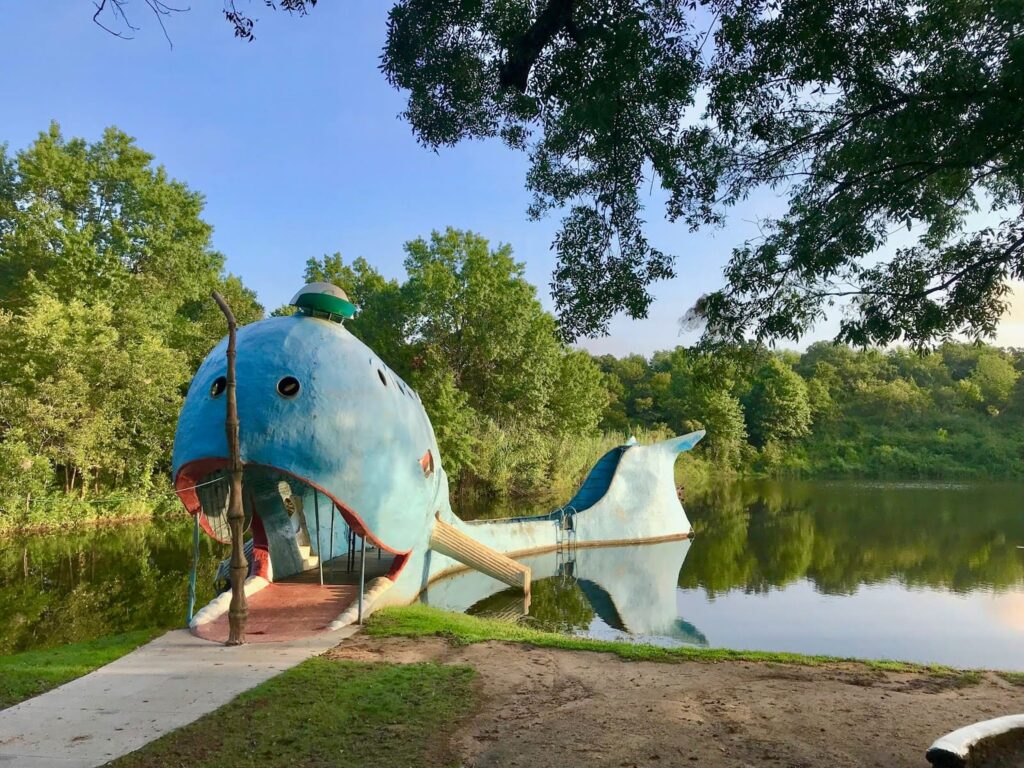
238, 611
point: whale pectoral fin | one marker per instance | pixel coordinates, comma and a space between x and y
371, 601
684, 442
450, 541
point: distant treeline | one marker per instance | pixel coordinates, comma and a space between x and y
106, 268
956, 411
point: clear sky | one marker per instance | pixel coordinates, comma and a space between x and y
296, 143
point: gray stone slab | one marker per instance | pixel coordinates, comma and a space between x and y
157, 688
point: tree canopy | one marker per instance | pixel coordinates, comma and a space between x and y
105, 275
867, 119
832, 410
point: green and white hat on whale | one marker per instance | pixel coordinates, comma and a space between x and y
324, 300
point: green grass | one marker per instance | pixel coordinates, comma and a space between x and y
23, 675
1013, 678
424, 621
326, 712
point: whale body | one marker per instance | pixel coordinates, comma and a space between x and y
334, 442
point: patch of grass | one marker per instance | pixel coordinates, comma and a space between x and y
23, 675
424, 621
1013, 678
326, 712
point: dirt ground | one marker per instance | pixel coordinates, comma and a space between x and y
544, 707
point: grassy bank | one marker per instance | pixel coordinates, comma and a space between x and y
23, 675
326, 712
60, 511
424, 621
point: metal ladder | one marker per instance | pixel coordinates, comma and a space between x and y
565, 541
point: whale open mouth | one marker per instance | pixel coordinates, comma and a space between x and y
279, 506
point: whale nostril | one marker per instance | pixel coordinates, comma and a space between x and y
218, 386
288, 386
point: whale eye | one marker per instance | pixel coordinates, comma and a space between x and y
218, 386
382, 379
288, 386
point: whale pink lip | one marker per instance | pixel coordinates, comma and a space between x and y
194, 472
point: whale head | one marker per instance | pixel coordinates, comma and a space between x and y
320, 412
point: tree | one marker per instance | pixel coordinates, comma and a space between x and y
868, 119
721, 415
879, 117
471, 308
381, 317
995, 378
579, 396
105, 273
594, 92
502, 390
777, 408
98, 401
116, 18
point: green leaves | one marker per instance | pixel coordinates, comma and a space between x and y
868, 119
595, 92
777, 407
105, 274
874, 119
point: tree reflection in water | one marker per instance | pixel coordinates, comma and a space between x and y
754, 536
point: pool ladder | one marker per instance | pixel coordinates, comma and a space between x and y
565, 540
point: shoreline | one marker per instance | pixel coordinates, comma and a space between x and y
539, 699
420, 622
694, 490
72, 525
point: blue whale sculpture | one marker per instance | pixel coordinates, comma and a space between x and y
333, 441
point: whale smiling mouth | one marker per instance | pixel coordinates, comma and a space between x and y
203, 487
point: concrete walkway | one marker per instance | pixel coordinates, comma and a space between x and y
163, 685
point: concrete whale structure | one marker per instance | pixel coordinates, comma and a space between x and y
632, 588
336, 446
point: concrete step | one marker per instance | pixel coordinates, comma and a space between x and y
310, 562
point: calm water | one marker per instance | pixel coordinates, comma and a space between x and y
919, 572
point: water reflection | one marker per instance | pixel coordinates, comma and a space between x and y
69, 586
929, 573
758, 536
926, 573
629, 589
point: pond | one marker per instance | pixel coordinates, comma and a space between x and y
929, 573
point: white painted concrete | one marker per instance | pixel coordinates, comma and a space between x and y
954, 748
157, 688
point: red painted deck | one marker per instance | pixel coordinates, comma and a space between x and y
299, 606
286, 611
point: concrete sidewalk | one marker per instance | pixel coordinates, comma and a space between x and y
163, 685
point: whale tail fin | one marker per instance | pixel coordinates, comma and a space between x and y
600, 477
630, 494
683, 442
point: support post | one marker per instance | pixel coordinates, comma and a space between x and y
319, 549
330, 548
362, 578
238, 611
192, 571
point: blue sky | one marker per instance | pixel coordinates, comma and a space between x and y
295, 141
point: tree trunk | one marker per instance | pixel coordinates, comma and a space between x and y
238, 611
